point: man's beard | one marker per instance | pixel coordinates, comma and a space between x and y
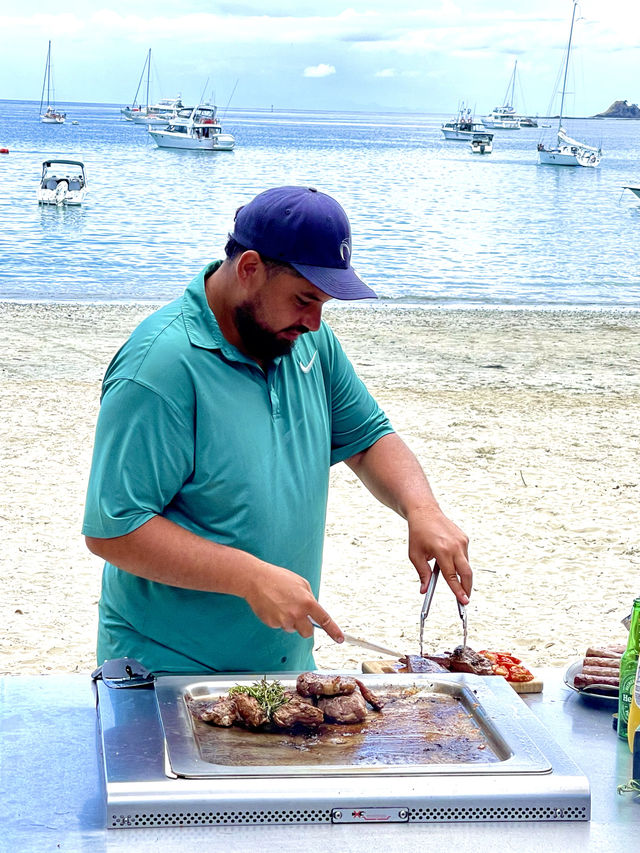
259, 341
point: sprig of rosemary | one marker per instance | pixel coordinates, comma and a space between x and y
270, 694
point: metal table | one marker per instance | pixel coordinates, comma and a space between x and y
52, 791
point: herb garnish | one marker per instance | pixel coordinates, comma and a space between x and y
270, 694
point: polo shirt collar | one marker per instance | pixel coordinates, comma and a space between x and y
201, 324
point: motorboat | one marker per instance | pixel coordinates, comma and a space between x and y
502, 118
568, 151
462, 127
194, 128
62, 182
506, 117
634, 189
156, 114
159, 113
51, 115
481, 143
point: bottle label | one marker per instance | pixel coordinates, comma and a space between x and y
626, 690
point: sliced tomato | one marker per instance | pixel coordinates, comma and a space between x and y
498, 669
519, 673
493, 657
507, 659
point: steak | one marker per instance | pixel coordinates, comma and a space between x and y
344, 709
315, 684
466, 660
428, 663
297, 712
249, 710
369, 696
223, 712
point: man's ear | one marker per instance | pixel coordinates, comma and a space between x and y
250, 270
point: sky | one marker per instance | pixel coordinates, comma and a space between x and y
382, 55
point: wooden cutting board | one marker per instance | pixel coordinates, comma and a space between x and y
386, 666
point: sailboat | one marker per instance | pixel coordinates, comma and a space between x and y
504, 117
568, 151
51, 115
159, 113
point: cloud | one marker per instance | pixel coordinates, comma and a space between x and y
386, 72
321, 70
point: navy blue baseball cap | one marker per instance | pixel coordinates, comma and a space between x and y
307, 229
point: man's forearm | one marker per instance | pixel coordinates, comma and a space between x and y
394, 476
162, 551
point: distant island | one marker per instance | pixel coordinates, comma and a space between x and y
621, 109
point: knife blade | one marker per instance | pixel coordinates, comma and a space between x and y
365, 644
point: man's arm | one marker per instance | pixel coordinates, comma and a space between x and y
394, 476
162, 551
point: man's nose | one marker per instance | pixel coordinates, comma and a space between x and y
312, 316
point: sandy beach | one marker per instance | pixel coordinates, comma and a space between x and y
527, 423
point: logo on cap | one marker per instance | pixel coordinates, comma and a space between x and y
345, 251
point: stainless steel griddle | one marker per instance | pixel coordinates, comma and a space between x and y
159, 770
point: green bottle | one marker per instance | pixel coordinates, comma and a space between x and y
628, 667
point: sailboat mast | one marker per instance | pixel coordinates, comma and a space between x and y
513, 83
566, 66
148, 77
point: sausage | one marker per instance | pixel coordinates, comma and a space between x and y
613, 671
609, 663
607, 652
581, 681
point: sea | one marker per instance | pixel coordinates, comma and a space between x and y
432, 223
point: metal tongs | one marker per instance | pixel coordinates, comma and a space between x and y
462, 610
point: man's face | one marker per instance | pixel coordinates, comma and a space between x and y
283, 308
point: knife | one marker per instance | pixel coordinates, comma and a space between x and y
365, 644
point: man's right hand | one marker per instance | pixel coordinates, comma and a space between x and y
282, 599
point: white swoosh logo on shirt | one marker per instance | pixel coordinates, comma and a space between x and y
305, 368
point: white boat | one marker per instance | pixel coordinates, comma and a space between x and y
158, 114
62, 182
481, 143
195, 128
50, 115
506, 117
461, 127
568, 151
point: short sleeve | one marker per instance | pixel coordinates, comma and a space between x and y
357, 421
143, 453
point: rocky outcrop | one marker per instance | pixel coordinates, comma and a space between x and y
621, 109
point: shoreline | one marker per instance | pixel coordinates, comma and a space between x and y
526, 421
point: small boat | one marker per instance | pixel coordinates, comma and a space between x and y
194, 128
51, 115
568, 151
461, 127
62, 182
481, 143
157, 114
635, 190
506, 117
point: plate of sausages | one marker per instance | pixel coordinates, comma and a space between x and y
597, 675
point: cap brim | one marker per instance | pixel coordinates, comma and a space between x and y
339, 283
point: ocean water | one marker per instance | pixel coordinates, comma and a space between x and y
432, 223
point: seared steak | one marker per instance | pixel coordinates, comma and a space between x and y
369, 696
250, 710
223, 712
344, 709
466, 660
297, 712
315, 684
415, 663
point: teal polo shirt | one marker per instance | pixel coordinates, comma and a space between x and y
191, 429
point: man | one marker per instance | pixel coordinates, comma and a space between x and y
219, 421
